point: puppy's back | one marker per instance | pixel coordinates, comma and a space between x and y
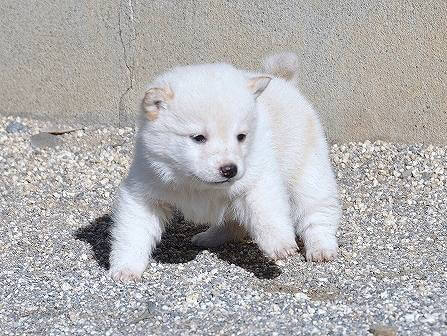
296, 129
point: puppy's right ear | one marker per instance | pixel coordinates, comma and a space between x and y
257, 85
156, 99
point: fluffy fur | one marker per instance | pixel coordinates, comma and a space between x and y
284, 185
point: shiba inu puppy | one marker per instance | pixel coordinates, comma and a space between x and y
242, 152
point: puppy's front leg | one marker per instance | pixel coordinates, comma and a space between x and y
137, 229
269, 223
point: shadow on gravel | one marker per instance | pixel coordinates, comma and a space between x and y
248, 256
97, 234
176, 247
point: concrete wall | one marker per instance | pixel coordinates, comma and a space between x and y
374, 69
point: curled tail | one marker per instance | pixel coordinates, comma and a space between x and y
283, 65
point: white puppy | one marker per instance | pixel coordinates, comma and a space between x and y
238, 151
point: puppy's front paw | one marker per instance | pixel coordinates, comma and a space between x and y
285, 252
321, 250
125, 275
279, 249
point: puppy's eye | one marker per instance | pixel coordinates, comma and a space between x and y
198, 138
241, 137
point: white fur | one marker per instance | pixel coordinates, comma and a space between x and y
284, 185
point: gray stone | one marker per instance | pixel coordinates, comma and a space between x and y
381, 330
45, 140
15, 126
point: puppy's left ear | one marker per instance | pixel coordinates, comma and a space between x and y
155, 100
258, 84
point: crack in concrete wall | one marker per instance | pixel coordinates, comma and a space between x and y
127, 34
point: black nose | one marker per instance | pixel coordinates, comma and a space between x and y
228, 171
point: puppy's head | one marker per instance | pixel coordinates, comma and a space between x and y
199, 123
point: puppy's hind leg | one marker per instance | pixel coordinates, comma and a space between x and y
219, 234
316, 210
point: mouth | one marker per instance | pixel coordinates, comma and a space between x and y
210, 182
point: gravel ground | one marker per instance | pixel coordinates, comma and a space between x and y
55, 197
